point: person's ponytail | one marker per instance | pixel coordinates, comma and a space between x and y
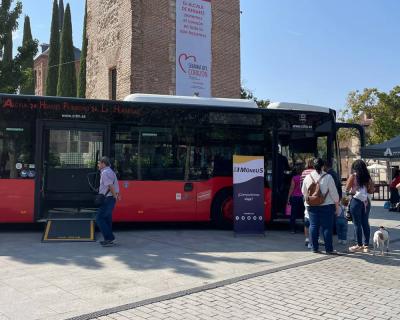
318, 164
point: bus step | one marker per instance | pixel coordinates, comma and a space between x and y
71, 230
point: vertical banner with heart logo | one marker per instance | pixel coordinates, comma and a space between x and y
193, 48
248, 194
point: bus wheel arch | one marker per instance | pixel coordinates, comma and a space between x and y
222, 209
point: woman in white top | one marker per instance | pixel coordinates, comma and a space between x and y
359, 185
321, 216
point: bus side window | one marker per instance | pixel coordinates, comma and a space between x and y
152, 153
16, 152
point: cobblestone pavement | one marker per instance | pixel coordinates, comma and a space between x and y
360, 286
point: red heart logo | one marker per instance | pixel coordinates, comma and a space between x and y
182, 60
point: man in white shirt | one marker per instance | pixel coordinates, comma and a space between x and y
110, 189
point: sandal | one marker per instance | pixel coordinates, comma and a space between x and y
355, 248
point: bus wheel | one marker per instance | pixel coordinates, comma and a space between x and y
222, 209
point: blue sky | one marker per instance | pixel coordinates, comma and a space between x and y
306, 51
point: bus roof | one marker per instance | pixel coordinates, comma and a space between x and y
297, 107
182, 100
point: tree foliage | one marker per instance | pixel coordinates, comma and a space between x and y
61, 14
26, 54
382, 107
82, 69
248, 94
8, 19
66, 86
54, 53
9, 70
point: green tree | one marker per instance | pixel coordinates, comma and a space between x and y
9, 72
8, 19
61, 14
54, 54
386, 115
383, 108
26, 54
66, 86
248, 94
82, 71
9, 76
8, 49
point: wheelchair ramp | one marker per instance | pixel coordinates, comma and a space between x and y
64, 226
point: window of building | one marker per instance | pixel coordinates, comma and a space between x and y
113, 83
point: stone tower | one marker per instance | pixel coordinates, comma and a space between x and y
132, 47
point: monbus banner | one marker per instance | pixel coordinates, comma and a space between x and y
248, 194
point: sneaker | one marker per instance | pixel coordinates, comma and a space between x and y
321, 242
306, 242
334, 252
309, 246
365, 249
356, 248
107, 243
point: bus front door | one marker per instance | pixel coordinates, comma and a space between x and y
69, 154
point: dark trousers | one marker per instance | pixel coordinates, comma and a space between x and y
394, 196
297, 210
104, 218
360, 214
322, 217
341, 228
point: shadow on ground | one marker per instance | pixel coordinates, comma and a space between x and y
184, 248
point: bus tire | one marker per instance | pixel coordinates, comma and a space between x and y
222, 209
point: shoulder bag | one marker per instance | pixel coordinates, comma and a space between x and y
100, 198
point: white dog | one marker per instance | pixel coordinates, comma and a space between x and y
381, 237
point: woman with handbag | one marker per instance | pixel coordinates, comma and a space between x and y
360, 185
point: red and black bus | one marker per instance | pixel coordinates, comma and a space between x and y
172, 155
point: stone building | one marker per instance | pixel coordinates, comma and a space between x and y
40, 67
131, 48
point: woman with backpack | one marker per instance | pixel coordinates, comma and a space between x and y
359, 185
322, 202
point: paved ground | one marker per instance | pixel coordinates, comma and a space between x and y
62, 280
348, 287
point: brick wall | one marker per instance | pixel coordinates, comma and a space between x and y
109, 26
40, 67
40, 73
138, 38
153, 35
226, 48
